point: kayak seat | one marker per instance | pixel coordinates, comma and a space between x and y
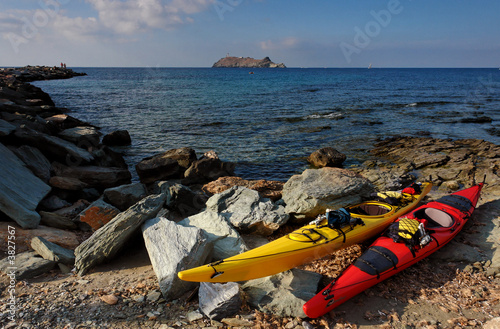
435, 217
369, 210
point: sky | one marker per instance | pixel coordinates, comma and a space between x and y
197, 33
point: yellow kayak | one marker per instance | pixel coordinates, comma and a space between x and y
310, 242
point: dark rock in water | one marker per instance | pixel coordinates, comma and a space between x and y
170, 164
117, 138
482, 119
218, 301
64, 121
125, 196
20, 190
326, 157
248, 62
27, 265
52, 251
173, 248
105, 243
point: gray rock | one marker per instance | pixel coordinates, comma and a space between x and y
309, 194
83, 135
105, 243
282, 294
124, 196
218, 301
57, 221
173, 248
52, 251
6, 128
53, 146
20, 190
26, 265
326, 157
35, 161
226, 240
247, 211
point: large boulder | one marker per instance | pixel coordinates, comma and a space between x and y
309, 194
170, 164
124, 196
246, 210
282, 294
326, 157
173, 248
94, 176
35, 161
54, 147
184, 200
105, 243
226, 240
20, 190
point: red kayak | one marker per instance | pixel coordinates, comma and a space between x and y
409, 239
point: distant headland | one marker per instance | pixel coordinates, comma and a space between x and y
231, 61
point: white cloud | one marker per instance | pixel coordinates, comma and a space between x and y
131, 16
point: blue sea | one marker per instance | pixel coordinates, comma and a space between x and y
268, 122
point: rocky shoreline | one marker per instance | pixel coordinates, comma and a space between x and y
94, 249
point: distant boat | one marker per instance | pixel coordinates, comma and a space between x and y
370, 66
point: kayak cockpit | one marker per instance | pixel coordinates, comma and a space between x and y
435, 218
371, 208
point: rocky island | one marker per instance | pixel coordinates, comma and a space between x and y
231, 61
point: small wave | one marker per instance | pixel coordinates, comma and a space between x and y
412, 105
422, 104
332, 115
